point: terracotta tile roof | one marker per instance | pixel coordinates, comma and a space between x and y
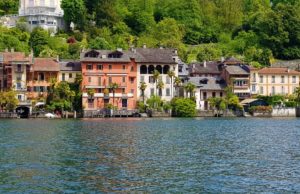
8, 57
277, 70
45, 64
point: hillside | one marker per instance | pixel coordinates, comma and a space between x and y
254, 30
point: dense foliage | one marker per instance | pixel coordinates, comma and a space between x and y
254, 30
183, 107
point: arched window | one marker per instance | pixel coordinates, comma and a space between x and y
166, 69
150, 69
159, 69
143, 69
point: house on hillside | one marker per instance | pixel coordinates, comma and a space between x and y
69, 70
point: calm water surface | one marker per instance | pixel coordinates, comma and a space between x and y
152, 156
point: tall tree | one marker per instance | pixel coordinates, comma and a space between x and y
74, 11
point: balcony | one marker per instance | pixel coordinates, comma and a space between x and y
21, 89
19, 71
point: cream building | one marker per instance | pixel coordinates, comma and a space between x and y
274, 81
69, 70
42, 13
161, 59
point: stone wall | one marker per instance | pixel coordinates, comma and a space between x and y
284, 112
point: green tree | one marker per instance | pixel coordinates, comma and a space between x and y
143, 87
160, 85
99, 43
183, 107
190, 89
177, 83
74, 11
113, 87
156, 75
38, 40
171, 75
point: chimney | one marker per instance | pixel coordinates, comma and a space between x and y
288, 70
175, 51
144, 45
57, 58
204, 64
222, 59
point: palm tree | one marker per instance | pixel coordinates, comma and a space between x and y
143, 87
190, 88
156, 75
171, 74
177, 83
160, 85
113, 87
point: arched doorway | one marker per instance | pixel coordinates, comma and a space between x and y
166, 69
150, 69
23, 111
159, 69
143, 69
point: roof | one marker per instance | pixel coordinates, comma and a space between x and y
103, 56
70, 66
278, 71
292, 64
248, 101
183, 69
232, 60
8, 57
236, 70
208, 83
210, 67
155, 55
45, 64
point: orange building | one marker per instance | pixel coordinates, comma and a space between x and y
100, 70
38, 78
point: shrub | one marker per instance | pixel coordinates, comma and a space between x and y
184, 107
260, 109
290, 104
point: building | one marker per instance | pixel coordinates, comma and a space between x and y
205, 69
46, 14
237, 76
40, 75
161, 59
207, 87
101, 69
69, 70
274, 81
13, 72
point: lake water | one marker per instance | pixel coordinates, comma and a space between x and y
150, 155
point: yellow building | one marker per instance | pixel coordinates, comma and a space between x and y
274, 81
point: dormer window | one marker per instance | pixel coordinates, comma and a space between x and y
203, 81
92, 54
116, 54
89, 67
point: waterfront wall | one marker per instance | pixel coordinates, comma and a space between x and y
284, 112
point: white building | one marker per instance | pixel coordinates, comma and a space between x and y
160, 59
42, 13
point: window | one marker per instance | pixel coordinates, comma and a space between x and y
132, 69
214, 94
282, 90
273, 90
282, 79
110, 80
261, 90
99, 67
123, 79
41, 77
42, 89
99, 81
132, 80
160, 92
253, 88
91, 103
152, 91
132, 91
142, 79
151, 79
273, 79
294, 79
168, 80
124, 103
168, 92
124, 67
19, 97
254, 77
204, 95
221, 94
261, 79
90, 79
70, 75
63, 77
19, 68
19, 86
109, 67
123, 90
18, 78
89, 67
